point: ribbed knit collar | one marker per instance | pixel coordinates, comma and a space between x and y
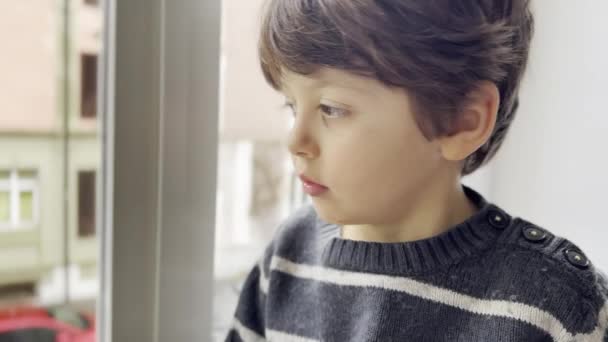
471, 236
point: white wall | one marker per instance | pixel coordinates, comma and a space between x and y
553, 167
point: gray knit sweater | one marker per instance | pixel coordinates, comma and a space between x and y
494, 277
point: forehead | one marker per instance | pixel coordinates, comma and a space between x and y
326, 78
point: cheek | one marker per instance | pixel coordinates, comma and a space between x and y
383, 167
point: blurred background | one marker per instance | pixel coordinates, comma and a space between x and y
552, 169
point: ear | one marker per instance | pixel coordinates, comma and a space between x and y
475, 123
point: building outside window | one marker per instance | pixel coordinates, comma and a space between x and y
18, 199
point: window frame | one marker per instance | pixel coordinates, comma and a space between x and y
159, 94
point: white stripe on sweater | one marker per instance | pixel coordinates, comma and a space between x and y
249, 335
526, 313
263, 277
278, 336
245, 333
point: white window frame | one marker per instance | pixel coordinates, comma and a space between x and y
159, 111
15, 186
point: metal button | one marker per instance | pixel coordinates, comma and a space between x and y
534, 234
576, 258
497, 219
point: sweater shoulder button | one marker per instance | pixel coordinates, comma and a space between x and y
576, 258
497, 219
534, 234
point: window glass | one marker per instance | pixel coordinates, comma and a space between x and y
26, 206
4, 207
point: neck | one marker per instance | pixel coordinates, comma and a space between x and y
432, 213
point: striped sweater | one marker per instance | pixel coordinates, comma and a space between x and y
494, 277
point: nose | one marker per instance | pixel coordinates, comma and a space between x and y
301, 139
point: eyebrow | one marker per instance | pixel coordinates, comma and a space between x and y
345, 86
323, 83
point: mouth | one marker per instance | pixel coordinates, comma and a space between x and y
311, 187
311, 182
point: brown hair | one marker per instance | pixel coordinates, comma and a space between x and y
437, 50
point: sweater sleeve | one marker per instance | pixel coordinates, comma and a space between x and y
597, 314
249, 318
602, 316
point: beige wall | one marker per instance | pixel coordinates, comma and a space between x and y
28, 65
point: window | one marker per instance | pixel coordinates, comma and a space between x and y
50, 130
88, 85
86, 203
18, 199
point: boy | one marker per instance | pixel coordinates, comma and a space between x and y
394, 101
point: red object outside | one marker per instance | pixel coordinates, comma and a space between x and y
39, 324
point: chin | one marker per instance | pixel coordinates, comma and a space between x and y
328, 214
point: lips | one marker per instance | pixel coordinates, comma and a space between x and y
311, 182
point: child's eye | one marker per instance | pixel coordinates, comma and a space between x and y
329, 111
333, 111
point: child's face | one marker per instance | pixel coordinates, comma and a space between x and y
359, 138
